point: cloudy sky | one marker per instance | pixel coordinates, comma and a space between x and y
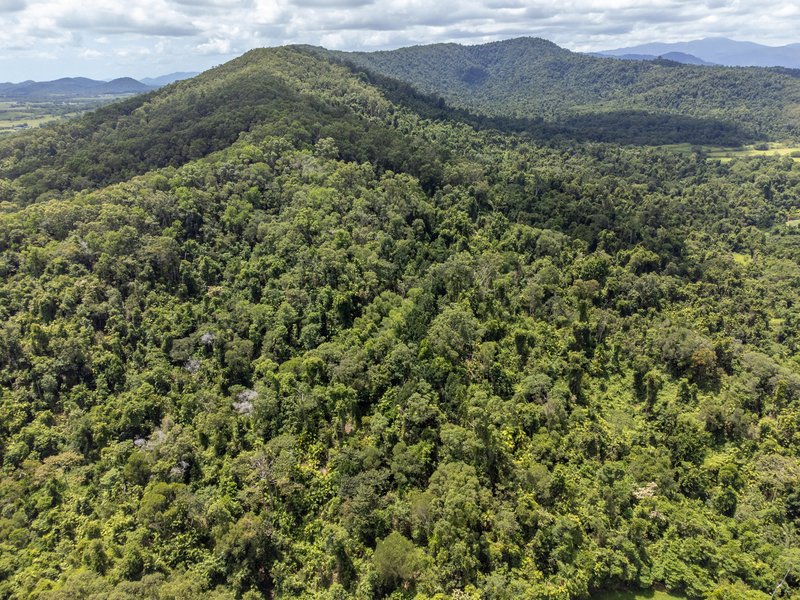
45, 39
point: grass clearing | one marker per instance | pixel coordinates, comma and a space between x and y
724, 154
27, 114
18, 116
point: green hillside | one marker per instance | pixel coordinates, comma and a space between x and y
284, 91
274, 332
600, 98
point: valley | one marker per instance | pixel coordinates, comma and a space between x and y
18, 116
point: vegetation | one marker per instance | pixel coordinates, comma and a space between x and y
269, 88
725, 154
272, 333
596, 98
18, 115
648, 595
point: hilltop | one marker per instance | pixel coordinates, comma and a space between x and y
269, 88
530, 78
680, 57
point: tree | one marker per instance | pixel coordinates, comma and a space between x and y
397, 561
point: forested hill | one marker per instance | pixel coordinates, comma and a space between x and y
524, 85
271, 333
530, 78
284, 90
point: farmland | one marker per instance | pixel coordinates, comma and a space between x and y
29, 114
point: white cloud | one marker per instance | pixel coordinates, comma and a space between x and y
215, 46
107, 37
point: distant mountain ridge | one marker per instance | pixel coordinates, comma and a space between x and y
72, 87
679, 57
169, 78
598, 97
722, 51
686, 59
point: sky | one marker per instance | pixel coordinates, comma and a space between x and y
103, 39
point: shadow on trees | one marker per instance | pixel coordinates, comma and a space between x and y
632, 127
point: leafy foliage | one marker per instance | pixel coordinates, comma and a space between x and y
358, 353
588, 97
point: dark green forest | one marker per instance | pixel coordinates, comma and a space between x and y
293, 330
584, 97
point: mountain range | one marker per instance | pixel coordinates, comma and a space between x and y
679, 57
592, 97
721, 51
717, 51
169, 78
71, 87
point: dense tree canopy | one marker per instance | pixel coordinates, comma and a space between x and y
586, 97
355, 352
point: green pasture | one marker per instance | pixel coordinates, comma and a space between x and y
724, 154
21, 115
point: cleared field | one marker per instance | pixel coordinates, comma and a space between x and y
21, 115
17, 116
726, 154
27, 122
